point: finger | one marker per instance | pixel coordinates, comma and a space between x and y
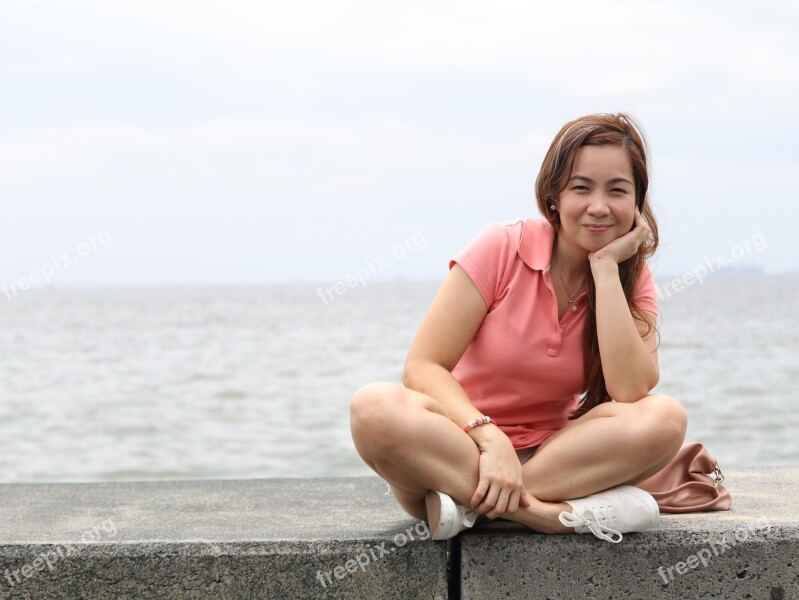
524, 500
642, 224
513, 502
490, 499
479, 494
645, 232
501, 505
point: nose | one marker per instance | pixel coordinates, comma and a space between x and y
597, 205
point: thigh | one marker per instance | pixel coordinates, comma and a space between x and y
410, 441
382, 410
408, 438
606, 409
622, 442
387, 396
656, 420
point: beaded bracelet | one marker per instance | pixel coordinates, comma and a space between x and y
477, 422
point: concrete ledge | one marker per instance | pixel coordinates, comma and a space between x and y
750, 551
297, 538
220, 539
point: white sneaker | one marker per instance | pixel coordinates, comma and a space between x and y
445, 517
610, 513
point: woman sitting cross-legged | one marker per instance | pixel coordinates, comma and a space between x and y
526, 391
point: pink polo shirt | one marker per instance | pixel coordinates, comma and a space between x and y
524, 368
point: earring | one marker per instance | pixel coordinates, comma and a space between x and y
552, 207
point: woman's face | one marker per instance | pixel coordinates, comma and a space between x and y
601, 193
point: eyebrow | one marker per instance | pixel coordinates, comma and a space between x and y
589, 180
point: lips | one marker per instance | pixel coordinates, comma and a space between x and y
597, 228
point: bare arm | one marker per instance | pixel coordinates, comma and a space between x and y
629, 362
447, 329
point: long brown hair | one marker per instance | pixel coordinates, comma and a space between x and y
621, 130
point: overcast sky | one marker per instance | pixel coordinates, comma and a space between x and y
190, 142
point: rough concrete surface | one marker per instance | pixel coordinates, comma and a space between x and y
750, 551
278, 538
220, 539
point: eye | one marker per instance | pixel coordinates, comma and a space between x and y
579, 187
618, 190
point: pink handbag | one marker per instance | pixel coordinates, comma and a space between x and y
691, 482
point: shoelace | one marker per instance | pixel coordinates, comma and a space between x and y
595, 525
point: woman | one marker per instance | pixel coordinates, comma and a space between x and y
525, 392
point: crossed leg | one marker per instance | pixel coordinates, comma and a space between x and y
408, 439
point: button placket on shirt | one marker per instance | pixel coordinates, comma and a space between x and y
556, 338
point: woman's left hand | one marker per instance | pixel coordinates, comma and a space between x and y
625, 246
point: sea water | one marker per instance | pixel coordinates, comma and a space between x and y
229, 382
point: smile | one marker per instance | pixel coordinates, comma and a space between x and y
597, 228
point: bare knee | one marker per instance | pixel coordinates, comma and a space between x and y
366, 397
373, 414
662, 422
368, 406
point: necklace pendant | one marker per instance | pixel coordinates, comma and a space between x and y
571, 301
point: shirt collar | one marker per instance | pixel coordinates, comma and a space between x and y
535, 247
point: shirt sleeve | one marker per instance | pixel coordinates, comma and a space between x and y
645, 294
487, 260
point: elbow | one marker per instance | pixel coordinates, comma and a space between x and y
634, 390
652, 378
406, 375
655, 379
628, 395
415, 374
410, 375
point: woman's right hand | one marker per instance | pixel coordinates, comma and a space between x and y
500, 487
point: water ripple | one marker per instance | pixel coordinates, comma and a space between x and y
256, 382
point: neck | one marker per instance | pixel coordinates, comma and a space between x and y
571, 262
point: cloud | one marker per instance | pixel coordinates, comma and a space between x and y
234, 119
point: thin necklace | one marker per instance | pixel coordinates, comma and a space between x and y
571, 296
